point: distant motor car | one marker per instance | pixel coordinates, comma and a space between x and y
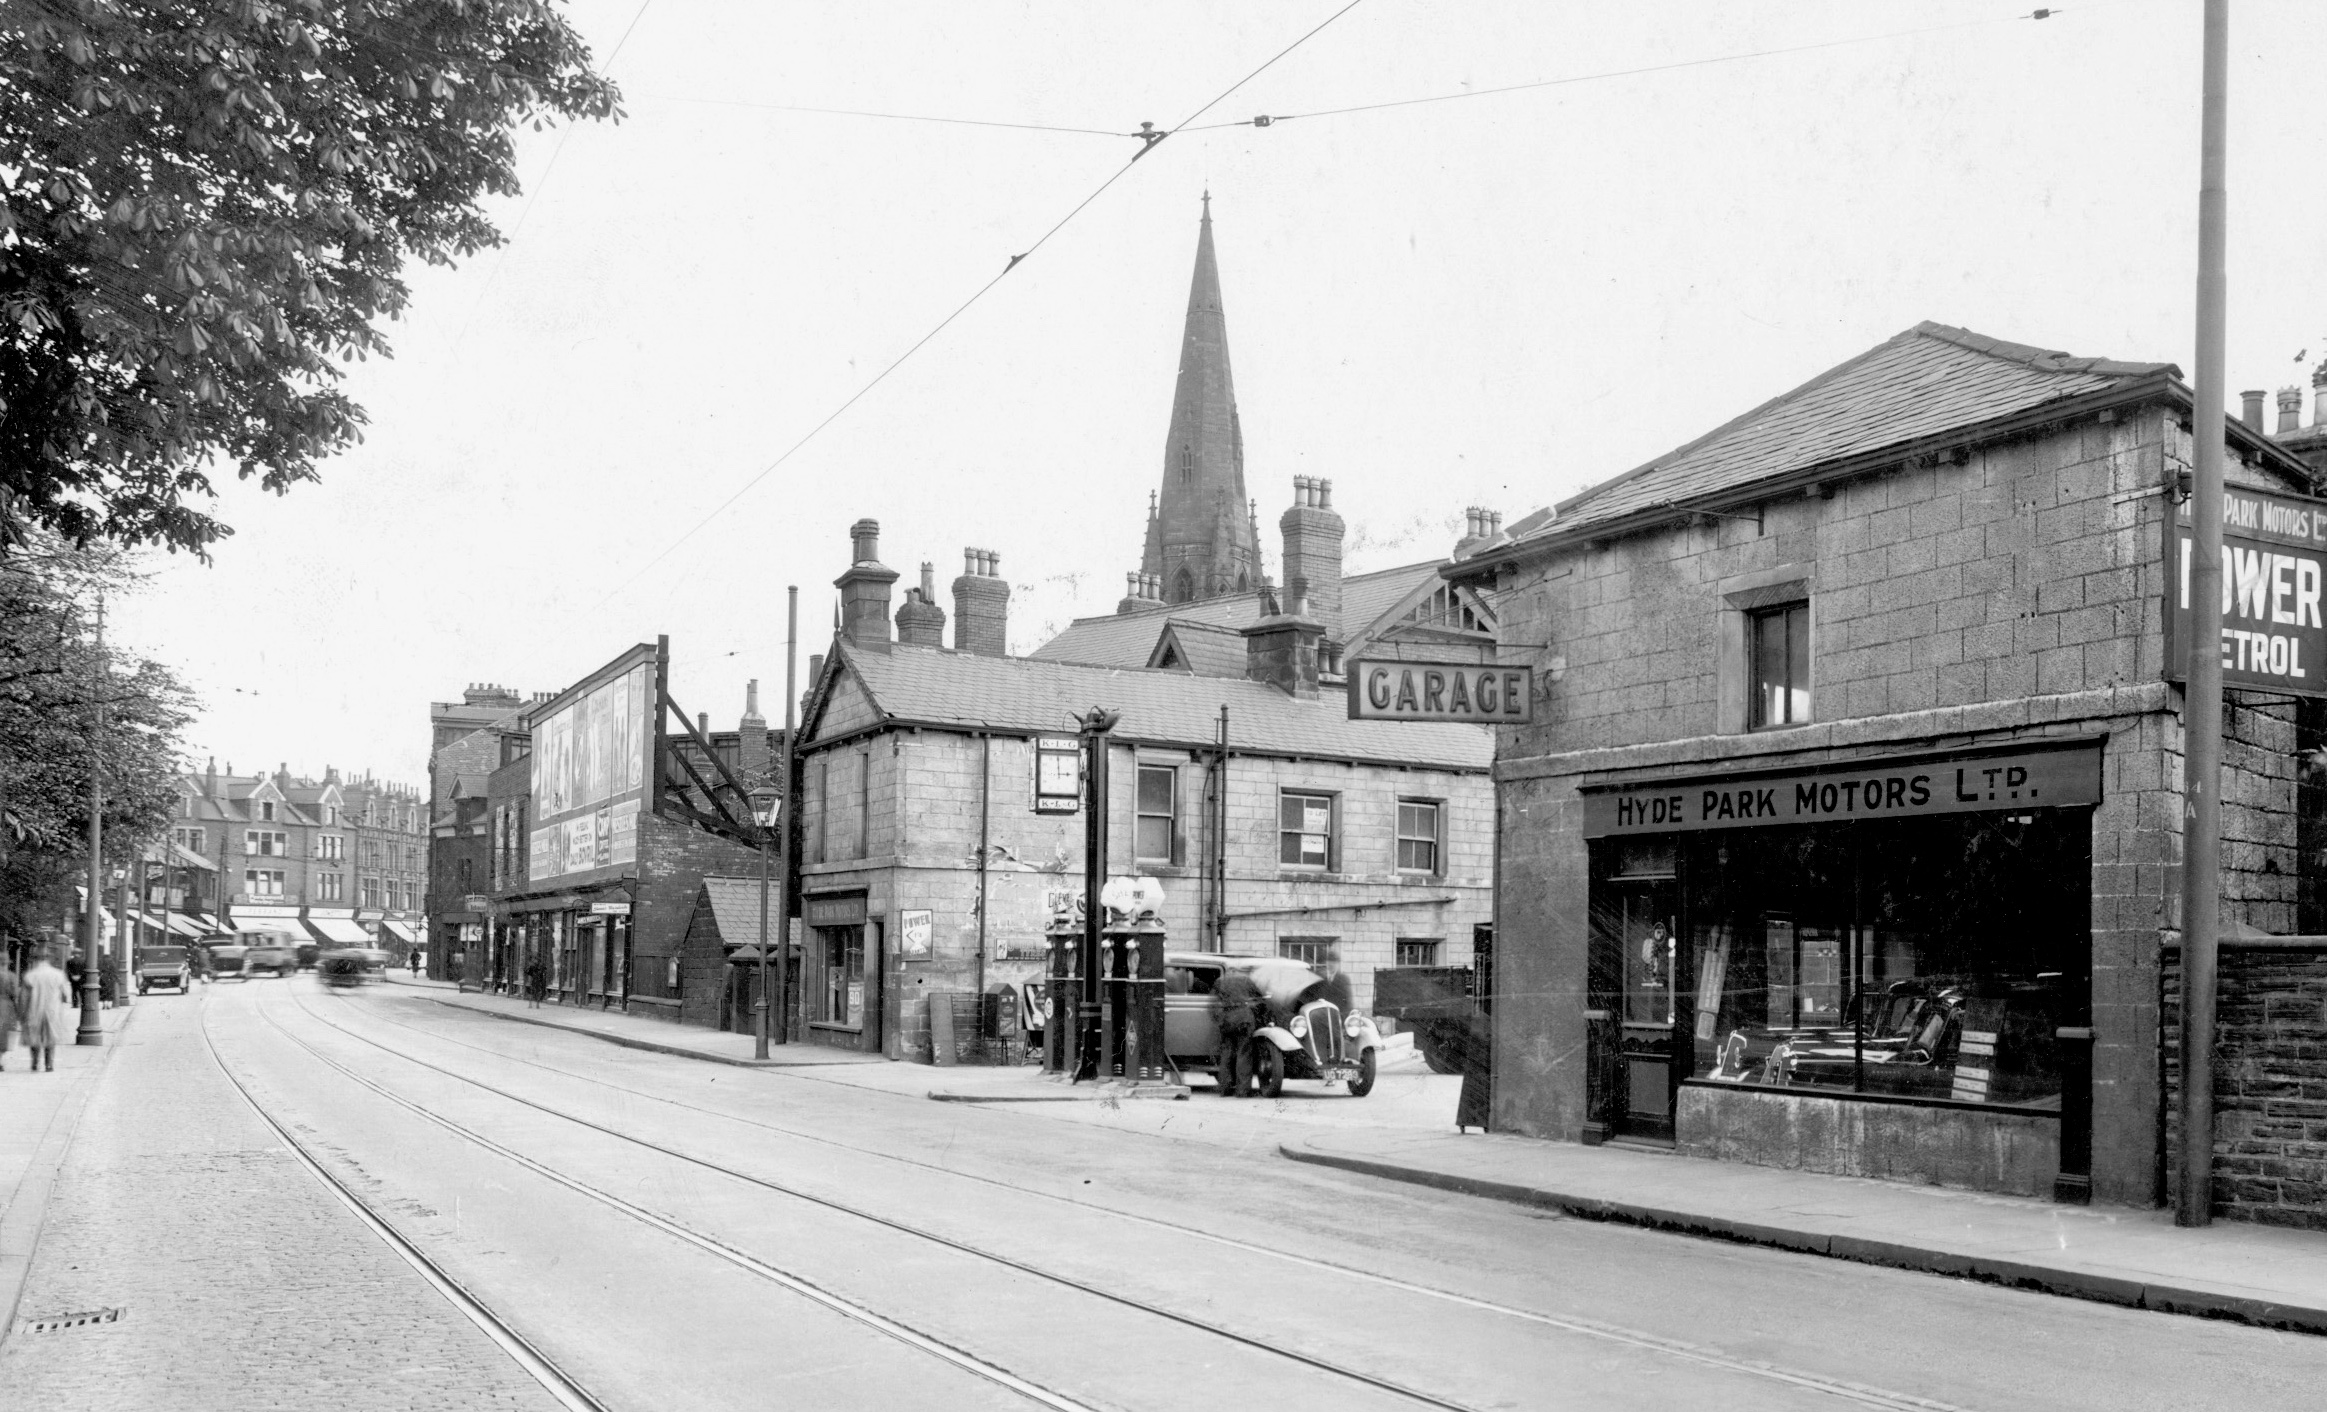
350, 966
226, 960
309, 952
163, 965
281, 961
1303, 1034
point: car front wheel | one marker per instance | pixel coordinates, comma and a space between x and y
1268, 1069
1363, 1084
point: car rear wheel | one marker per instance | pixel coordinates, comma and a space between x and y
1363, 1084
1268, 1069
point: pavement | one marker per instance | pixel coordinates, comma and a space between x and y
2264, 1276
38, 1115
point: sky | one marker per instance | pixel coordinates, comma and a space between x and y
582, 439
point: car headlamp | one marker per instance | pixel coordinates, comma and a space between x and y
1300, 1026
1352, 1027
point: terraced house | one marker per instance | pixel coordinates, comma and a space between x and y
1847, 835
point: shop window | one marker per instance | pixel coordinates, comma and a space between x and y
1418, 835
1417, 951
1058, 774
1307, 836
844, 975
1778, 645
1158, 798
1926, 959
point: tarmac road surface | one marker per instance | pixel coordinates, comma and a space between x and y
641, 1231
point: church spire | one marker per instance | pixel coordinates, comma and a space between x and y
1204, 547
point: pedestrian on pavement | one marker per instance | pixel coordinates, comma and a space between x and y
536, 982
198, 962
8, 989
43, 997
412, 959
76, 969
108, 978
1235, 1001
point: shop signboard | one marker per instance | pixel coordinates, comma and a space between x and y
2034, 777
1440, 691
913, 932
834, 910
2274, 558
590, 773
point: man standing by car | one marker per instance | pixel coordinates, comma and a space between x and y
1235, 1001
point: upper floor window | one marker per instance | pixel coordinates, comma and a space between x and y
188, 838
1158, 795
331, 847
266, 813
1418, 835
1777, 643
1305, 830
329, 887
263, 882
265, 842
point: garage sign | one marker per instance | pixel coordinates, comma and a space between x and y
1440, 691
2274, 559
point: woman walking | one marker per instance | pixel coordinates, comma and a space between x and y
43, 997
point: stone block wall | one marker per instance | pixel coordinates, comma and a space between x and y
673, 859
2270, 1085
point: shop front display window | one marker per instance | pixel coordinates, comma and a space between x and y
1928, 959
844, 975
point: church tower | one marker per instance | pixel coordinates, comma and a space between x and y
1201, 541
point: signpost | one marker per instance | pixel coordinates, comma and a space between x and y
1465, 692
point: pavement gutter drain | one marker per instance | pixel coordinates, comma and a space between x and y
58, 1323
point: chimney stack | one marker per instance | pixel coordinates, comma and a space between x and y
2290, 409
1312, 532
751, 746
1481, 527
921, 622
864, 589
2252, 416
981, 605
1282, 649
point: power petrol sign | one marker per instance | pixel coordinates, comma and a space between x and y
2274, 556
1439, 691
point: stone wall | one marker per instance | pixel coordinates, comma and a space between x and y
2270, 1084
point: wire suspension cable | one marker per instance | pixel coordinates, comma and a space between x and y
918, 344
893, 117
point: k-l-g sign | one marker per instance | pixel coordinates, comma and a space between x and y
1439, 691
2274, 555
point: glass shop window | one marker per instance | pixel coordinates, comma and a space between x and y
1778, 641
1931, 959
844, 975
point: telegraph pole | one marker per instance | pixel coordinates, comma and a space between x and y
784, 919
2202, 702
1095, 727
92, 1030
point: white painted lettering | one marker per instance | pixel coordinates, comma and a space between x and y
2282, 587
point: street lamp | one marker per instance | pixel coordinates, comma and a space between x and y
767, 806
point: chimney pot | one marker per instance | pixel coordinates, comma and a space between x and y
864, 588
751, 699
2290, 409
2252, 415
981, 606
703, 724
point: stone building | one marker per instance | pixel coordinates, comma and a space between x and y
339, 862
1847, 833
939, 811
468, 740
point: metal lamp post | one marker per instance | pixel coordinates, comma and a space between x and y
92, 1027
767, 807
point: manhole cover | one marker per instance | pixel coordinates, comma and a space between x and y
58, 1323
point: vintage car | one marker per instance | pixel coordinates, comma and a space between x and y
1303, 1032
351, 966
226, 959
162, 965
1913, 1034
278, 960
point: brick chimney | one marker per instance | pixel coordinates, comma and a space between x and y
1312, 533
2252, 414
981, 605
864, 589
1281, 650
921, 622
751, 748
2290, 410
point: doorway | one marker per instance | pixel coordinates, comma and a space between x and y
1638, 971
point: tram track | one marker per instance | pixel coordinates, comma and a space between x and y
1858, 1393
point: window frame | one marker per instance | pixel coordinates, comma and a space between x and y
1310, 951
330, 887
1140, 813
1431, 957
1790, 688
1399, 838
1332, 863
252, 878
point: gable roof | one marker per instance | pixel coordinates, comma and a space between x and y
930, 686
1928, 380
735, 909
1131, 639
1200, 648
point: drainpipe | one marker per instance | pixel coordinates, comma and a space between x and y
985, 822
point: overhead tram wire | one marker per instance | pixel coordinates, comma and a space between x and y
893, 117
1149, 143
1271, 119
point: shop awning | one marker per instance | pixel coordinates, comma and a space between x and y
187, 926
336, 927
263, 917
183, 857
398, 930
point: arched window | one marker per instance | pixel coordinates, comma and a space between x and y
1243, 582
1183, 586
1187, 463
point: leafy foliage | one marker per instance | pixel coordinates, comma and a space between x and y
206, 207
51, 680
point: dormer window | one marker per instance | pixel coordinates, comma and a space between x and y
266, 813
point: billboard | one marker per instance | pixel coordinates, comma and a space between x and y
2274, 556
591, 772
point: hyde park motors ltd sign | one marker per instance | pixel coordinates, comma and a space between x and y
2274, 555
1439, 691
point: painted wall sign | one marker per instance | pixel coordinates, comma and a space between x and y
1868, 789
913, 933
610, 909
1440, 691
2274, 559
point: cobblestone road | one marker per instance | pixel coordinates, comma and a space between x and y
246, 1283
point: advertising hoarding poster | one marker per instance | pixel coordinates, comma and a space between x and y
2274, 554
590, 771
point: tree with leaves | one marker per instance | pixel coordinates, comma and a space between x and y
52, 679
205, 207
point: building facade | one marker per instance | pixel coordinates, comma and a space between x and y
339, 862
1847, 834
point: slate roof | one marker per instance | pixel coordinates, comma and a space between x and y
1206, 650
1129, 639
932, 686
1927, 380
735, 909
